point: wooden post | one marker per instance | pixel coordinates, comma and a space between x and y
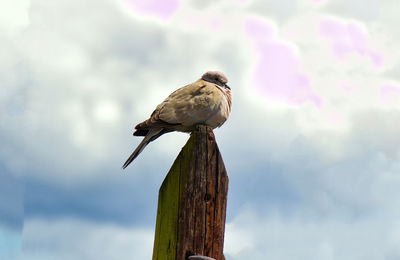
192, 202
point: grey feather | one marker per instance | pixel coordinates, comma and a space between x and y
152, 135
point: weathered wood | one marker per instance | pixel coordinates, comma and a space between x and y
192, 202
197, 257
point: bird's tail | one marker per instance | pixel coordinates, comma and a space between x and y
152, 135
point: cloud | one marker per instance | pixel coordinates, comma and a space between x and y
254, 237
11, 201
84, 240
14, 16
117, 199
390, 93
276, 71
10, 242
73, 87
337, 202
281, 10
161, 9
364, 10
347, 38
317, 195
310, 147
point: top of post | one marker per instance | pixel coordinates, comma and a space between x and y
203, 129
203, 132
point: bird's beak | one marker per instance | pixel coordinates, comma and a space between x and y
227, 86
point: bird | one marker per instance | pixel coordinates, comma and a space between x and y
207, 101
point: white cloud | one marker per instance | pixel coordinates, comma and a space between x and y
77, 239
77, 77
14, 16
76, 85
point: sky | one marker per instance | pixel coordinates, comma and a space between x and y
311, 147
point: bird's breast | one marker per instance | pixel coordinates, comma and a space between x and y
222, 110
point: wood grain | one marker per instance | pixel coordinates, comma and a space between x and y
192, 202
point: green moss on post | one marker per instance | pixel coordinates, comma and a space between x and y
192, 202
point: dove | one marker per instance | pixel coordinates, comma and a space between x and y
207, 101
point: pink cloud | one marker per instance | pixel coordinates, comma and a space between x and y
346, 38
259, 30
163, 9
277, 69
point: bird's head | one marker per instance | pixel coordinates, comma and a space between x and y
216, 77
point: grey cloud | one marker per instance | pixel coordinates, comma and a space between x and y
376, 130
71, 66
366, 10
72, 57
119, 199
81, 240
280, 238
280, 10
335, 203
203, 4
354, 185
394, 72
59, 73
11, 201
349, 187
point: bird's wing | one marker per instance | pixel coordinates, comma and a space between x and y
190, 105
187, 106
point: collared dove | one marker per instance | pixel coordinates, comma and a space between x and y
207, 101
